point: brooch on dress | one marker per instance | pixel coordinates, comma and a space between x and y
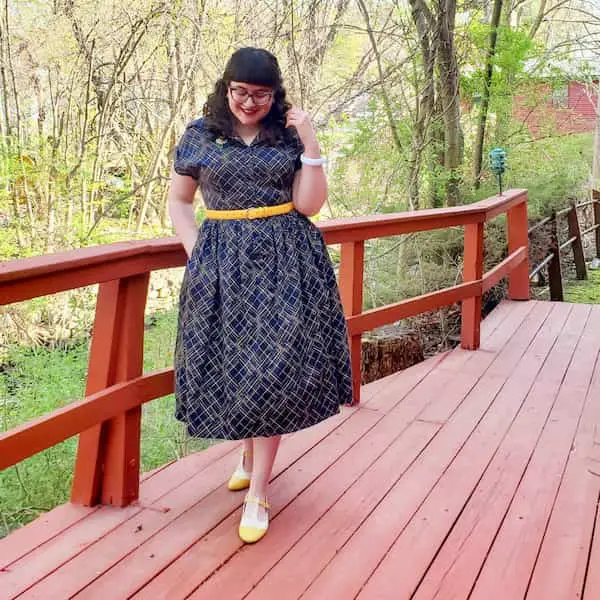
220, 141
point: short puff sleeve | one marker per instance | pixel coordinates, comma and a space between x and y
190, 149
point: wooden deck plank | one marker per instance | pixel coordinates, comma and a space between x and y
350, 568
57, 521
403, 382
74, 572
195, 564
395, 395
46, 553
397, 577
517, 544
404, 413
77, 568
307, 512
190, 569
50, 524
455, 568
496, 318
157, 552
501, 363
152, 472
560, 569
158, 486
188, 572
591, 568
45, 559
47, 526
417, 493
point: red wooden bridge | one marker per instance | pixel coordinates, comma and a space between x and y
474, 474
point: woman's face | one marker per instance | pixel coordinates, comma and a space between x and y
249, 103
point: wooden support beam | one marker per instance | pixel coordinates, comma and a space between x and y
472, 271
575, 232
107, 464
351, 291
554, 269
518, 281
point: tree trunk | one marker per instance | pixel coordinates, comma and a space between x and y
5, 124
435, 157
504, 109
387, 350
11, 72
448, 76
17, 217
425, 99
386, 99
152, 173
487, 85
538, 19
178, 88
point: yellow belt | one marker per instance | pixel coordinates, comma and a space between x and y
259, 212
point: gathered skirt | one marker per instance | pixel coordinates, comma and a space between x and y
262, 342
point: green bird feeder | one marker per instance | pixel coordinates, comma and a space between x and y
498, 164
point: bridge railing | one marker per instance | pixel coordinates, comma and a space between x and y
552, 260
108, 418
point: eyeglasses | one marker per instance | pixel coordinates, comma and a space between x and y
260, 98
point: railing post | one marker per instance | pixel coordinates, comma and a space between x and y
351, 292
554, 272
518, 280
575, 232
108, 455
596, 205
472, 271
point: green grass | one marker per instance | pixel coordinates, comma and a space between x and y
585, 292
36, 381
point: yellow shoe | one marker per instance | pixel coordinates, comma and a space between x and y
253, 526
240, 480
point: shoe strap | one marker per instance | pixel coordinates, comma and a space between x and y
254, 500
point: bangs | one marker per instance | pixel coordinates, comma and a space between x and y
255, 66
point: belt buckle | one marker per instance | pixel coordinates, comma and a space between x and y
257, 213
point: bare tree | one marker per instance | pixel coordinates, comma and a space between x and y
424, 23
384, 94
179, 80
449, 95
487, 84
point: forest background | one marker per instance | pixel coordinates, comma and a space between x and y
407, 96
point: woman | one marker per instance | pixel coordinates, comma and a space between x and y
262, 341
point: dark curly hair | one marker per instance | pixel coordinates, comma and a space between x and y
248, 65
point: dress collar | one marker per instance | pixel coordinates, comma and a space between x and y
257, 139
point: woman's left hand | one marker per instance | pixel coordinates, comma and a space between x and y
300, 119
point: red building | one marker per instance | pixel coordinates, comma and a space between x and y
563, 110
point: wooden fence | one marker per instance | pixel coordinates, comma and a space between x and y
552, 259
108, 418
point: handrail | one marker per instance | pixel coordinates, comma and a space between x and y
539, 224
26, 278
568, 243
108, 417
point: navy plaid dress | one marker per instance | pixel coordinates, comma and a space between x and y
262, 343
